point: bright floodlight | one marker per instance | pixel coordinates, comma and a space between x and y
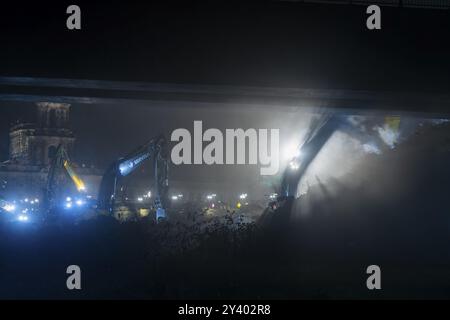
23, 217
294, 165
174, 197
140, 199
291, 151
68, 199
243, 196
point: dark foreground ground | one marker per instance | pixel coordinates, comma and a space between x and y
394, 211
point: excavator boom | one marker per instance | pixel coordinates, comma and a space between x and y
79, 184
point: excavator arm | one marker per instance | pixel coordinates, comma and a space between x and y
155, 149
75, 178
60, 163
319, 133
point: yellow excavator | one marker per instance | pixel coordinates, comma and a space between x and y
60, 167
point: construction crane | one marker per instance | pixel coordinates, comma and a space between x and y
60, 166
112, 179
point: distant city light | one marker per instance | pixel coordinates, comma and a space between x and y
140, 199
243, 196
211, 196
174, 197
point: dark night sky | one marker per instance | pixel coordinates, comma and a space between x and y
252, 43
